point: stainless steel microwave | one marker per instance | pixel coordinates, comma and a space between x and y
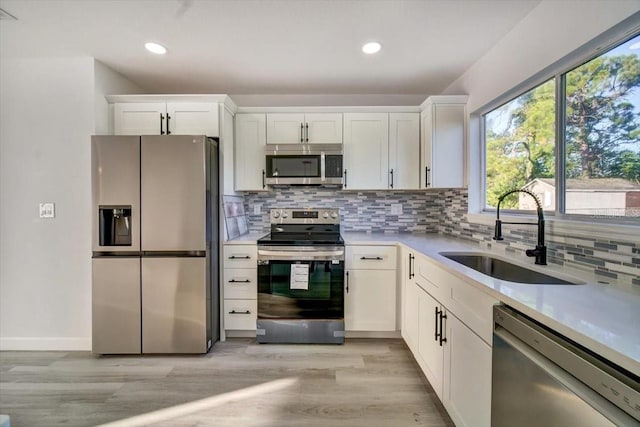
304, 164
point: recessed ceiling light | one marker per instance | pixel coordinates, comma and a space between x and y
155, 48
371, 47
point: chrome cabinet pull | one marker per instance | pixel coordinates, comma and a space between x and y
437, 335
372, 258
306, 126
168, 118
240, 257
239, 312
301, 132
161, 123
426, 176
391, 172
264, 184
239, 281
345, 178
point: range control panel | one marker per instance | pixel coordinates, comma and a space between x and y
304, 216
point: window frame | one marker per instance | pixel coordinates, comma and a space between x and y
557, 71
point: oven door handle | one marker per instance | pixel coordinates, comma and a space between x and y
264, 254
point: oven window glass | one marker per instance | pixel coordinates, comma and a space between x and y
323, 297
293, 166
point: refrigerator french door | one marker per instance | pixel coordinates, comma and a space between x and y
153, 262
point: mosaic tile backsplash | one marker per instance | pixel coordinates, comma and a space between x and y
359, 211
603, 259
445, 212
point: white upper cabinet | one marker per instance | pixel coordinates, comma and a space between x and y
404, 151
309, 128
250, 152
193, 118
139, 119
166, 118
366, 151
444, 133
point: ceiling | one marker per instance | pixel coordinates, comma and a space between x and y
257, 47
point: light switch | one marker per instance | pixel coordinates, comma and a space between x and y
47, 210
396, 209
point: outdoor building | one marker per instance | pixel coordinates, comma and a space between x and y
597, 197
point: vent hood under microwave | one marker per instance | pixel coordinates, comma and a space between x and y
303, 164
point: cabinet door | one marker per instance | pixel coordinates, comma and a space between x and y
429, 348
249, 152
410, 313
285, 128
370, 300
404, 151
323, 128
139, 118
193, 118
467, 372
366, 151
443, 146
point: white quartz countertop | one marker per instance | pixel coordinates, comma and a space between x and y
603, 317
247, 239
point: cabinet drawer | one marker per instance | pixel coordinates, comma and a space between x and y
240, 283
371, 257
240, 314
428, 279
473, 307
240, 256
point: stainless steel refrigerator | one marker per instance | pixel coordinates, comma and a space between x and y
155, 256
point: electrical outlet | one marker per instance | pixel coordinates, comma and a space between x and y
47, 210
256, 209
396, 209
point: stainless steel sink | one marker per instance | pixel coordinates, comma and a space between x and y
504, 270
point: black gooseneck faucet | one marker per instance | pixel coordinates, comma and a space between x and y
540, 251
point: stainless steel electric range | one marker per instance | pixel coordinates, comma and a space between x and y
301, 278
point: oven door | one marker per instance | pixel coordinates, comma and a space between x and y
300, 283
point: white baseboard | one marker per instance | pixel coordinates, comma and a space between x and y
45, 344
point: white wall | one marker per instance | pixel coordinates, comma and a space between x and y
109, 82
46, 120
548, 33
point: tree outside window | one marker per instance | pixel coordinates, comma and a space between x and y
601, 140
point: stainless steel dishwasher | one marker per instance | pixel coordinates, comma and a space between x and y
541, 378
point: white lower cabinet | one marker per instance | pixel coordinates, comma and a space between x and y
430, 350
240, 287
370, 288
455, 357
370, 300
467, 376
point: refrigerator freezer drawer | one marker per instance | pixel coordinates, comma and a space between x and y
174, 305
116, 305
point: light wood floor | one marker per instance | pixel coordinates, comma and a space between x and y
239, 383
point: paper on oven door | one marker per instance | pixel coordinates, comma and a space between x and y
299, 276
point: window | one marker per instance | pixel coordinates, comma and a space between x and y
520, 145
598, 148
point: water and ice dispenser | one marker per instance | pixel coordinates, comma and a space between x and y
115, 225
